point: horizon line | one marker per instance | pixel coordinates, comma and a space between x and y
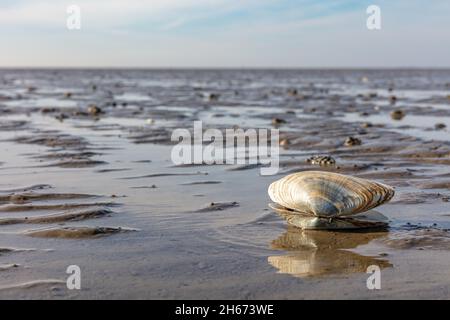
370, 68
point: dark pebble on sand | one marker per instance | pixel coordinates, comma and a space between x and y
397, 114
94, 110
284, 142
48, 110
277, 121
61, 116
352, 141
213, 97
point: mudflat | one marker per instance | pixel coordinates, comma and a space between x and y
87, 179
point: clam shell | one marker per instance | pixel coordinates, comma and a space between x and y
327, 194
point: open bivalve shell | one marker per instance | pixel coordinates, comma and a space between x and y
326, 200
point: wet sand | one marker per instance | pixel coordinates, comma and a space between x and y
86, 179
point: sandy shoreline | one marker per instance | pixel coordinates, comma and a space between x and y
98, 188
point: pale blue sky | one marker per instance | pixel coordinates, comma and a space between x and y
225, 33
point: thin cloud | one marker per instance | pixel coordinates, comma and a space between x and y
207, 33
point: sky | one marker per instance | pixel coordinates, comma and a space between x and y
225, 34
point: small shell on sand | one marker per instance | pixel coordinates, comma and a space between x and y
397, 114
284, 142
321, 160
94, 110
278, 121
352, 141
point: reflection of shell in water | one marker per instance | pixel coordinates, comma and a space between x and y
327, 194
316, 253
313, 263
294, 239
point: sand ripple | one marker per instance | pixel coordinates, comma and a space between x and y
76, 232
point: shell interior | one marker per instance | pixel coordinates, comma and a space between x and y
367, 220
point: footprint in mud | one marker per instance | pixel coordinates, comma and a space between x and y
76, 232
